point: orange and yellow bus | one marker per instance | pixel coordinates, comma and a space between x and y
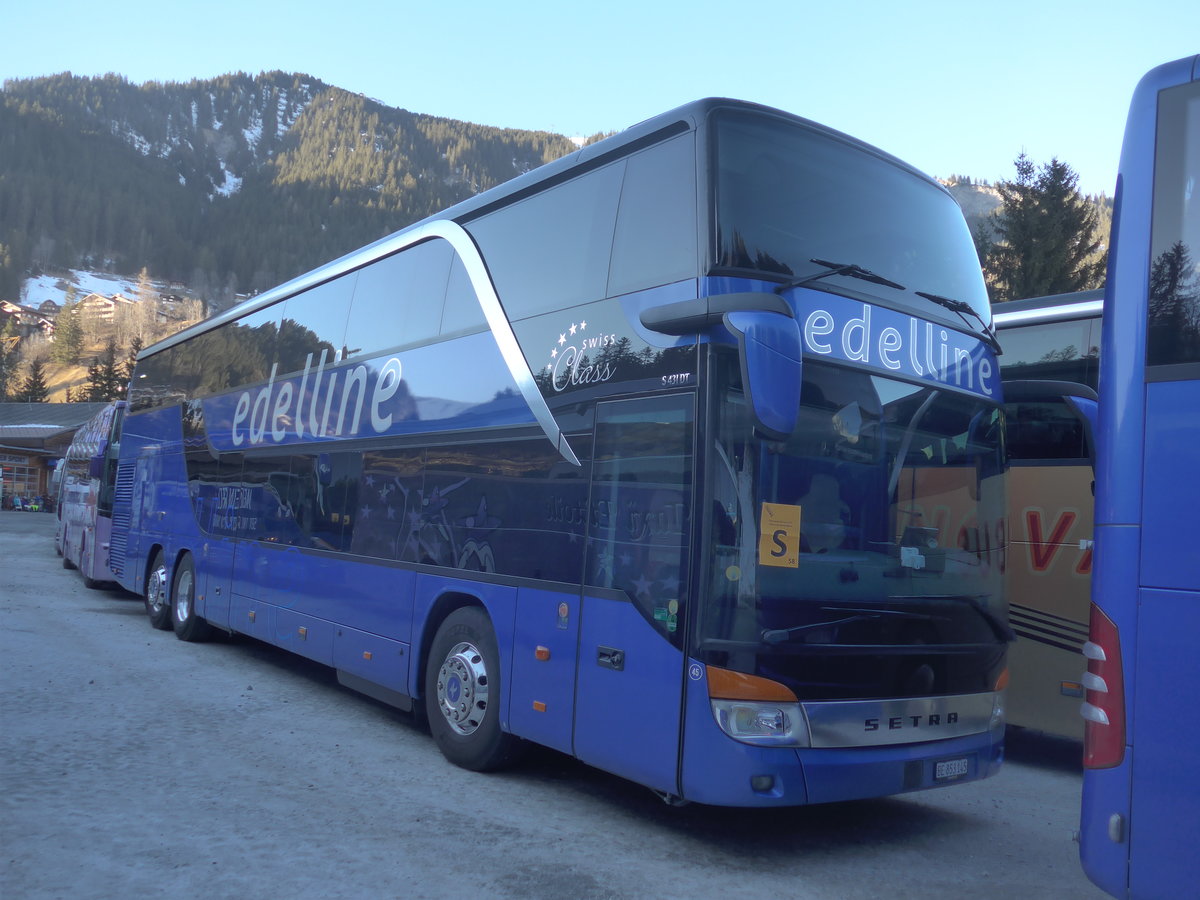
1049, 564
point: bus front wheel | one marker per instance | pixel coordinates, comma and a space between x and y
187, 624
462, 693
158, 603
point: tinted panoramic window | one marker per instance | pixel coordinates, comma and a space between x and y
462, 313
151, 384
314, 321
1174, 331
1058, 351
506, 507
655, 241
248, 346
788, 195
552, 250
1044, 430
398, 300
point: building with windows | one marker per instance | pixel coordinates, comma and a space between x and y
33, 438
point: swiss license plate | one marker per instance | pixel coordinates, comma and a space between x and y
949, 768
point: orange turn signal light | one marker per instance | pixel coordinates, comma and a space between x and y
724, 684
1002, 681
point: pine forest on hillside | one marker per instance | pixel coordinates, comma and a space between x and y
229, 185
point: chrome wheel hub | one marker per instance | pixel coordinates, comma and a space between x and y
156, 589
462, 688
183, 597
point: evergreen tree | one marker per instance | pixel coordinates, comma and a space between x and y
8, 356
68, 334
1046, 235
1174, 333
104, 376
135, 348
33, 388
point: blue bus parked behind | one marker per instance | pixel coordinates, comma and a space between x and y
1142, 741
682, 454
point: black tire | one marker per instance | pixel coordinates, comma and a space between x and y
188, 625
86, 566
66, 559
462, 693
156, 595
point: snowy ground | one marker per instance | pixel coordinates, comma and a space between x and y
37, 291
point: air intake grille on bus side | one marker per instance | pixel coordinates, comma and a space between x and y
122, 517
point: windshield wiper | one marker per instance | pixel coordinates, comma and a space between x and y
849, 269
964, 310
781, 635
977, 603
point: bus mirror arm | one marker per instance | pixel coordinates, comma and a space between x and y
702, 313
771, 360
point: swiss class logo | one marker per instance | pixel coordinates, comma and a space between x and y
579, 358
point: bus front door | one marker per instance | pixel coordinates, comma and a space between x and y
630, 666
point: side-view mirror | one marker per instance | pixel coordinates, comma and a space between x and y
769, 346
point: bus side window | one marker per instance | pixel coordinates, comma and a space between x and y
398, 300
1044, 430
462, 313
384, 513
655, 241
551, 251
315, 322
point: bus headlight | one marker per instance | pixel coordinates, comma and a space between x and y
998, 711
999, 693
763, 724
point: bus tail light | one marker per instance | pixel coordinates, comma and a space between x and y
1104, 705
756, 710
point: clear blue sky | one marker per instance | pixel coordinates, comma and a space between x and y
949, 86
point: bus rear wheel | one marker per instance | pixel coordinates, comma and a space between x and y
85, 565
462, 693
187, 624
158, 603
65, 552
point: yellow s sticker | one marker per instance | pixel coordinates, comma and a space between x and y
779, 535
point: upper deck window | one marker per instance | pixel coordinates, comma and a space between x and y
626, 226
787, 195
1174, 331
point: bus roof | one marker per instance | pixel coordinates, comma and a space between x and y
1052, 308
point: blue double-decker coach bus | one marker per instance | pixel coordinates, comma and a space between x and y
1141, 788
682, 454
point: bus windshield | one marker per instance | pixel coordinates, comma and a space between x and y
861, 557
794, 203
